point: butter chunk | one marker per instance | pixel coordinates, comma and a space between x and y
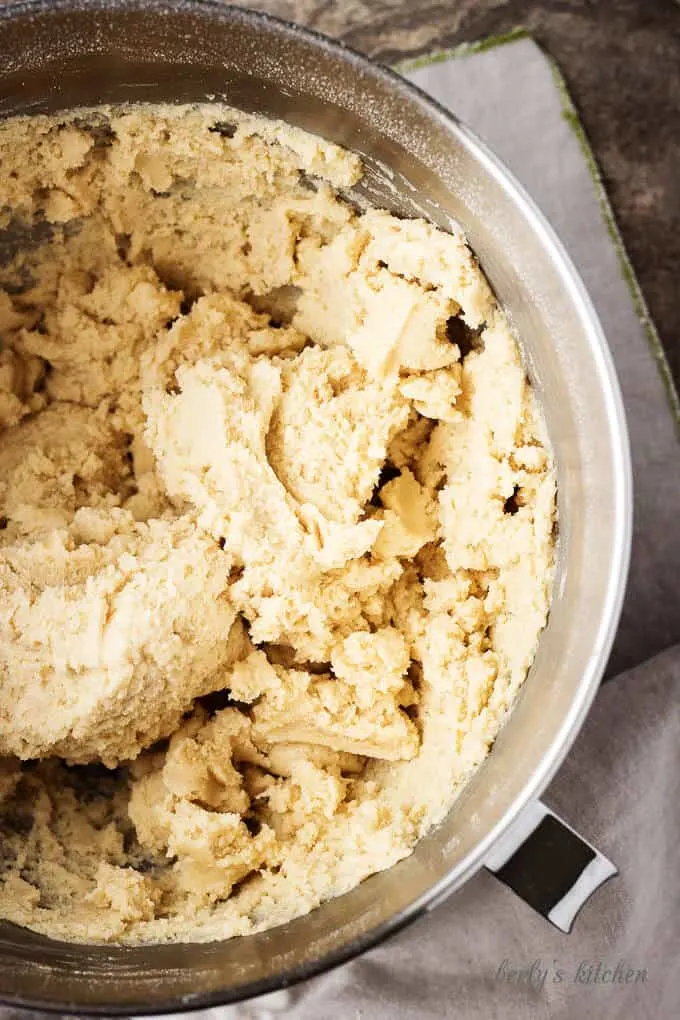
330, 431
126, 895
190, 805
215, 851
417, 250
94, 337
434, 395
388, 322
409, 518
359, 710
123, 637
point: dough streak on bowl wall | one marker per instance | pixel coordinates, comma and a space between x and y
276, 509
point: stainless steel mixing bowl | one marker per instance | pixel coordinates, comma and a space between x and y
421, 161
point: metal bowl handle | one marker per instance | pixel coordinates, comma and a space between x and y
549, 865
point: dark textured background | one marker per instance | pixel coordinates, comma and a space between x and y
621, 60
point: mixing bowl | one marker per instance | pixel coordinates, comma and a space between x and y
420, 161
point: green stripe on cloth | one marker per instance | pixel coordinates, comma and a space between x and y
462, 50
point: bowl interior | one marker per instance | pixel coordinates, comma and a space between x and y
419, 162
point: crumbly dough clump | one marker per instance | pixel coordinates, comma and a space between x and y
276, 524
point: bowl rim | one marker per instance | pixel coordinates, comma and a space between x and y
612, 603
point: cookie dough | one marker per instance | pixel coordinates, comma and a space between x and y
276, 524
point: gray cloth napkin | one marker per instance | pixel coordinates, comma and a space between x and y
484, 953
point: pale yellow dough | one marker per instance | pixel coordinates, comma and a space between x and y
276, 524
